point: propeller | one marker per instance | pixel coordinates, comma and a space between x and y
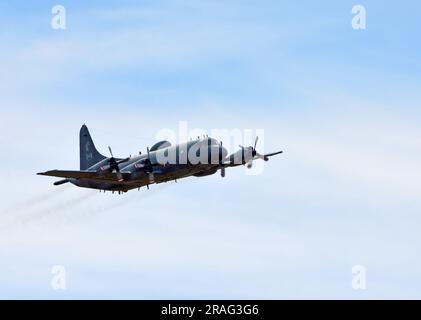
246, 155
251, 151
254, 152
113, 164
147, 166
220, 160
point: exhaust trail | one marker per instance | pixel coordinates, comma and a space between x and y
37, 215
58, 210
60, 207
35, 200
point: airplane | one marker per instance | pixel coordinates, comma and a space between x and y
163, 162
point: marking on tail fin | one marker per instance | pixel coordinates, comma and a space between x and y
88, 149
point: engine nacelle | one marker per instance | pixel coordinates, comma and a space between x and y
242, 156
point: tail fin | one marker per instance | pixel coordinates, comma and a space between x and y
89, 155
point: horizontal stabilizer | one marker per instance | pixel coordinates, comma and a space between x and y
83, 175
69, 174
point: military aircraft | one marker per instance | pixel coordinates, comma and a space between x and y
162, 162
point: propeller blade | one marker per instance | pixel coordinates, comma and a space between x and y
111, 151
255, 142
250, 164
223, 172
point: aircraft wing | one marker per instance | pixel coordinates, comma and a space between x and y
69, 174
229, 162
266, 156
80, 174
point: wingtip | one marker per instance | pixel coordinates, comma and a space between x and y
44, 173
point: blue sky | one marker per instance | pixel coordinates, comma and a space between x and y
343, 104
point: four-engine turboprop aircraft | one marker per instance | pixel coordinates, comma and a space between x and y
163, 162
